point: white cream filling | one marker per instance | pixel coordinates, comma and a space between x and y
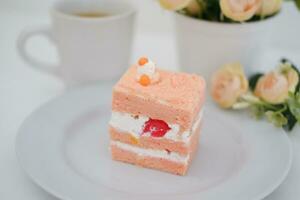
134, 125
128, 123
152, 152
173, 133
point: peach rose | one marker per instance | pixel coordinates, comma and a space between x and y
269, 7
239, 10
175, 4
272, 87
228, 84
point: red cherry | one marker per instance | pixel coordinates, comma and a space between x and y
156, 127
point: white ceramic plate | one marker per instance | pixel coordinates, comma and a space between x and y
63, 147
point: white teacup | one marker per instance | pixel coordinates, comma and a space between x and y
90, 48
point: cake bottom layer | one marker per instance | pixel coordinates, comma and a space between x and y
168, 161
162, 164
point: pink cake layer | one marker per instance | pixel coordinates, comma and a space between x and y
166, 165
176, 98
155, 143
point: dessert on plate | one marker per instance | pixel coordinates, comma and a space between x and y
156, 117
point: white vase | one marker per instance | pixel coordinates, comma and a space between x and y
204, 46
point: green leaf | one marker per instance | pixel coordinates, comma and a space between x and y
297, 4
294, 105
257, 111
253, 80
250, 98
212, 10
240, 105
285, 60
291, 120
297, 89
276, 118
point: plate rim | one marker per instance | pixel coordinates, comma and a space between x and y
280, 180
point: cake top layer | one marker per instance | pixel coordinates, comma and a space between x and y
179, 90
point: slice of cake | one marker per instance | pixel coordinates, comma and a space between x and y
156, 117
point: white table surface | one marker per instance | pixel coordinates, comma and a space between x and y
22, 90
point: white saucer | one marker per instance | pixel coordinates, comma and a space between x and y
63, 147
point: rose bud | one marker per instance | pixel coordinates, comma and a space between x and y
272, 87
240, 10
194, 7
175, 4
269, 7
228, 84
293, 79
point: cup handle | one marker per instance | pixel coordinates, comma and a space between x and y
33, 62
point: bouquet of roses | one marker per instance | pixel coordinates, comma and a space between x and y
275, 95
226, 10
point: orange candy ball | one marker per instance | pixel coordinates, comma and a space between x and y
143, 60
144, 80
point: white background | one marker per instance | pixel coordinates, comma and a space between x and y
22, 89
